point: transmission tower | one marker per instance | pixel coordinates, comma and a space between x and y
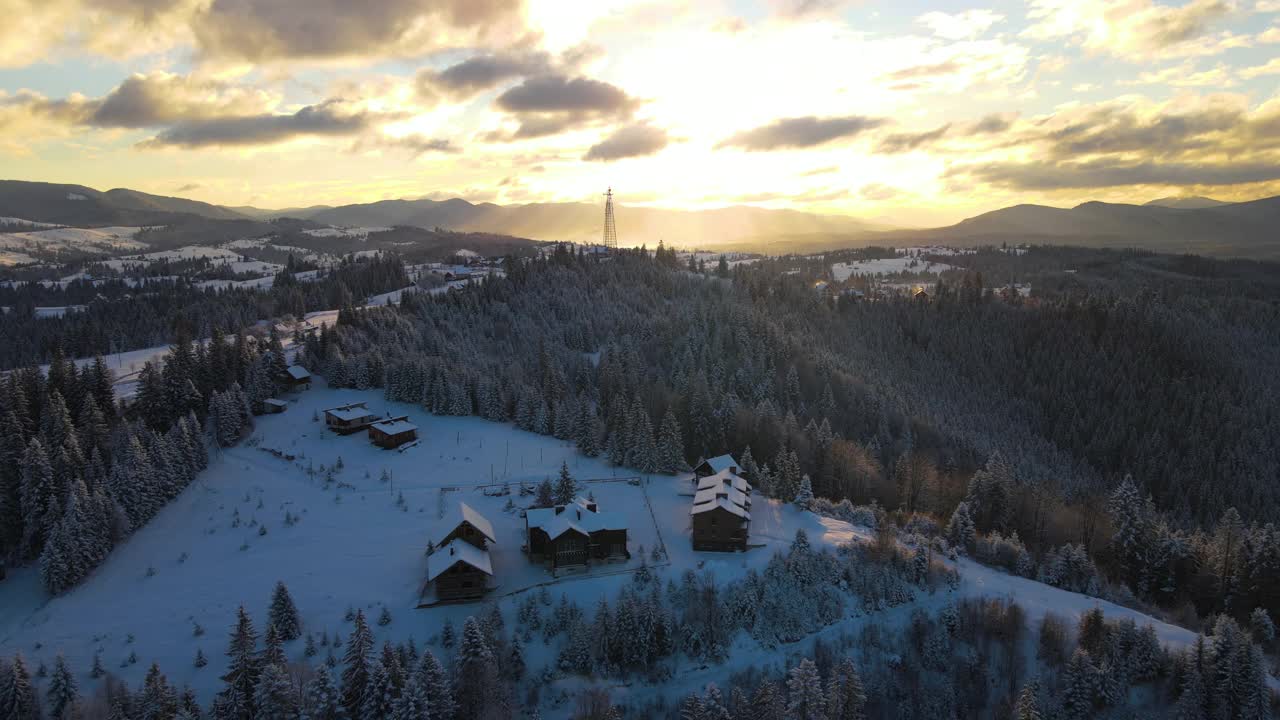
610, 229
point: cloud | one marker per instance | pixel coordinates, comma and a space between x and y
906, 142
989, 124
631, 141
1272, 67
552, 104
1202, 141
1136, 30
820, 171
799, 9
879, 192
482, 72
258, 30
1114, 173
188, 187
801, 132
947, 67
324, 119
161, 98
960, 26
1272, 35
416, 144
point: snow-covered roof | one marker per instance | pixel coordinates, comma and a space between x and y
455, 552
720, 502
464, 513
350, 412
724, 478
297, 372
273, 402
734, 496
575, 516
722, 462
395, 427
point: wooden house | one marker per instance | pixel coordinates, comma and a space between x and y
271, 406
297, 377
392, 432
346, 419
460, 568
721, 512
575, 535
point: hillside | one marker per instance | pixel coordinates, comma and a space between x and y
1194, 202
359, 541
1237, 229
84, 206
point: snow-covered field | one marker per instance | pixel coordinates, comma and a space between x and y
100, 240
886, 266
356, 544
360, 233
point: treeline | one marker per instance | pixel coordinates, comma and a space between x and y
118, 317
78, 474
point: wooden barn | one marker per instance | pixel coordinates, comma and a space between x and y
721, 512
460, 568
346, 419
711, 466
392, 432
575, 535
271, 406
297, 377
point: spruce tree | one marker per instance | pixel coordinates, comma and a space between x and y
847, 699
412, 703
476, 679
670, 445
804, 496
322, 699
158, 699
805, 698
566, 488
355, 670
960, 529
274, 697
61, 693
438, 686
242, 668
284, 615
380, 695
19, 701
1028, 704
545, 497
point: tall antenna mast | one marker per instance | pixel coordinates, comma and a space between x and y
610, 229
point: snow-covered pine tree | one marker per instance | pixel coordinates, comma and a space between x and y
846, 698
355, 666
670, 445
323, 701
284, 614
961, 532
435, 681
61, 694
412, 704
804, 496
1028, 705
1081, 689
158, 698
380, 695
805, 698
242, 667
273, 647
566, 488
274, 697
475, 680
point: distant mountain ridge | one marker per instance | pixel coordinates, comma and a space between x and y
1176, 224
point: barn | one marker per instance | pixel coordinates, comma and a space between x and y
296, 376
272, 406
346, 419
575, 535
392, 432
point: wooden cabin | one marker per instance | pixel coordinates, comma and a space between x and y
459, 571
721, 512
297, 377
346, 419
576, 534
272, 406
711, 466
460, 568
392, 432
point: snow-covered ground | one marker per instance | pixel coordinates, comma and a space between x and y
100, 240
357, 544
9, 257
842, 271
359, 233
26, 223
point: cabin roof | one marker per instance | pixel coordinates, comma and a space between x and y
721, 503
457, 551
721, 462
275, 402
349, 412
734, 496
297, 372
395, 427
724, 478
576, 517
464, 513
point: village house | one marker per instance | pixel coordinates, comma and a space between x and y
392, 432
575, 534
460, 568
346, 419
721, 512
271, 406
296, 377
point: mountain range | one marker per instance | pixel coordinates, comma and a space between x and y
1177, 224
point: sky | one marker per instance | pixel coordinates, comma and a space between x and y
907, 112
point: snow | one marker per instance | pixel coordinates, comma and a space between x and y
100, 240
737, 497
455, 552
354, 232
463, 512
467, 253
574, 516
721, 463
724, 478
348, 413
8, 257
716, 501
886, 266
395, 427
27, 223
297, 372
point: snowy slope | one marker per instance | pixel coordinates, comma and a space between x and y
355, 545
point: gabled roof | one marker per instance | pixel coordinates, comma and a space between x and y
395, 427
723, 504
297, 372
354, 411
724, 478
464, 513
575, 517
275, 402
721, 462
457, 551
734, 496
